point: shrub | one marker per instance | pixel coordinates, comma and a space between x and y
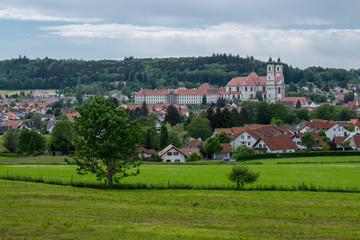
193, 157
242, 175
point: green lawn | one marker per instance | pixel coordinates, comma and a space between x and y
41, 211
327, 175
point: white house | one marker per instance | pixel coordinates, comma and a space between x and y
277, 144
355, 142
338, 130
174, 154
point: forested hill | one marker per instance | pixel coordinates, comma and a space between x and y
218, 69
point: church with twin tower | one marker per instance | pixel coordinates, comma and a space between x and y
271, 88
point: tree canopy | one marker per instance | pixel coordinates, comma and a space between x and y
108, 141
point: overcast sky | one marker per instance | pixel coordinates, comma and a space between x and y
303, 33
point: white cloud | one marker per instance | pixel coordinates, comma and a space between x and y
302, 47
30, 14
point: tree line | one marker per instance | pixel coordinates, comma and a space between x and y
98, 77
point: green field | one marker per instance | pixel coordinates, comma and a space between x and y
336, 173
41, 211
11, 92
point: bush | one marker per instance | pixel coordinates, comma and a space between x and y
193, 157
242, 175
297, 154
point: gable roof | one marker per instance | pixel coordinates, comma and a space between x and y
226, 148
356, 140
279, 142
185, 151
294, 100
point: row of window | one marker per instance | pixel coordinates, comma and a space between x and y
171, 153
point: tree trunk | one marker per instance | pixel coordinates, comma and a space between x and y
109, 174
238, 185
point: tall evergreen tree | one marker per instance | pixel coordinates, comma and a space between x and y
235, 118
210, 116
244, 116
172, 115
144, 109
164, 136
298, 104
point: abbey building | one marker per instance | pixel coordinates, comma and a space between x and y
271, 87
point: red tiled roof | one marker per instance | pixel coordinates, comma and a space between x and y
194, 142
356, 140
252, 79
279, 142
294, 100
320, 124
153, 92
205, 86
144, 150
13, 122
339, 140
226, 148
188, 151
319, 141
73, 114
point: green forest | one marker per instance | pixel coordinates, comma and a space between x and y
77, 75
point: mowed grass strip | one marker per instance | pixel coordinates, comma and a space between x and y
41, 211
327, 175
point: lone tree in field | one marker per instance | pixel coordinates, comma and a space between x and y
107, 141
242, 175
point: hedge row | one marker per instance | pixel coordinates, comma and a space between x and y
297, 154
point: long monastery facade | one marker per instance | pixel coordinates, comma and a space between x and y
271, 87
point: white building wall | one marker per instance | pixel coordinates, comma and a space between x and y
337, 131
173, 155
243, 139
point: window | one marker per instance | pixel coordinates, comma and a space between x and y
277, 69
269, 68
177, 160
279, 91
245, 89
251, 95
176, 153
249, 137
168, 160
263, 88
242, 137
249, 144
237, 89
264, 96
169, 153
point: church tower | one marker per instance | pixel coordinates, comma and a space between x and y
270, 80
279, 84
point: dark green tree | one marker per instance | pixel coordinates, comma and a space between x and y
241, 175
244, 116
212, 146
223, 137
172, 115
30, 142
308, 140
36, 118
11, 139
62, 136
199, 128
258, 96
164, 136
144, 109
107, 142
298, 104
204, 100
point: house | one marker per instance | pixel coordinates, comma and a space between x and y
355, 142
50, 125
174, 154
31, 125
13, 124
193, 143
276, 144
337, 130
224, 153
318, 139
294, 101
145, 153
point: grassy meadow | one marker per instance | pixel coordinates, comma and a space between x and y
325, 172
11, 92
42, 211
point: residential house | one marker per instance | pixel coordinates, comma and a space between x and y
31, 125
297, 140
355, 142
50, 125
224, 153
337, 130
145, 153
276, 144
17, 124
174, 154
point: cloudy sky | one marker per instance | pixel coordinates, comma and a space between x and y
304, 33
